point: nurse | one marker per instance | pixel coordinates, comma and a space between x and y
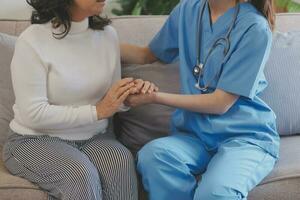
221, 130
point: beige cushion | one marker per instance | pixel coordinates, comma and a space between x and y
22, 194
16, 188
7, 44
13, 27
284, 181
129, 27
282, 73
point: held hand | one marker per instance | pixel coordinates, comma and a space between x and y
143, 87
140, 99
114, 98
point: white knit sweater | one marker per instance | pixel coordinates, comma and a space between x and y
57, 82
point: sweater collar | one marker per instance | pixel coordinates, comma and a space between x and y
78, 27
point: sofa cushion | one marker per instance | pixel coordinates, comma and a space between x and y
22, 194
129, 27
7, 44
13, 187
282, 72
13, 27
284, 181
142, 124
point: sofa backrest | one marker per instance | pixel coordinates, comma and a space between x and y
140, 29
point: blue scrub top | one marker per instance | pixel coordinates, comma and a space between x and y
250, 118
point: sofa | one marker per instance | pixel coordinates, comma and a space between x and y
146, 123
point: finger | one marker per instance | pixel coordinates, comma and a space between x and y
156, 89
139, 84
151, 89
124, 82
146, 87
124, 96
123, 89
134, 90
138, 80
120, 83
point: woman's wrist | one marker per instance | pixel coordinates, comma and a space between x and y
100, 112
164, 98
155, 97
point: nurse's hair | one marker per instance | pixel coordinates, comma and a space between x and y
58, 12
267, 8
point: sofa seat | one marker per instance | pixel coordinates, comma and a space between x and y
13, 187
282, 182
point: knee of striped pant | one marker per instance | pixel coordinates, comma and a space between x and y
122, 158
118, 175
82, 182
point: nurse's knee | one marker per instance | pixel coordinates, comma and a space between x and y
216, 191
151, 155
148, 153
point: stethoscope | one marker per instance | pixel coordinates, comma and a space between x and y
199, 67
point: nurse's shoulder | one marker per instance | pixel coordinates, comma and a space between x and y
251, 19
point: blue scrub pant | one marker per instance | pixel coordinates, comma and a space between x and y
169, 167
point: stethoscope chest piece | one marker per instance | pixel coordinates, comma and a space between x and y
198, 70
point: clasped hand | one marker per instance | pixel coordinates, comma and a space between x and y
126, 91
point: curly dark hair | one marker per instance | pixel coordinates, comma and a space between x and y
57, 11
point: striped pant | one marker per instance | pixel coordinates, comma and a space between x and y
94, 169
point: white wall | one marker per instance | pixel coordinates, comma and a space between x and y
19, 9
297, 1
14, 9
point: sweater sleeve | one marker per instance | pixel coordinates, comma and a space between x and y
29, 77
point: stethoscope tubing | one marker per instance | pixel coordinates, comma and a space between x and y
214, 46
